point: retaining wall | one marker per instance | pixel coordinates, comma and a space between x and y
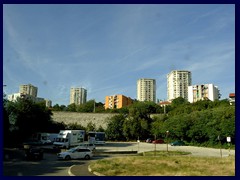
83, 118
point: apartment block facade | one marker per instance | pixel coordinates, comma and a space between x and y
146, 90
13, 97
78, 96
117, 101
28, 89
203, 92
177, 84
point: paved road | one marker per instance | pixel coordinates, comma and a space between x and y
142, 146
16, 165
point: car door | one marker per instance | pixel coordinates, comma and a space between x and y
75, 154
81, 153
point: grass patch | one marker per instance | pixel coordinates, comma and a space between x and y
164, 153
176, 165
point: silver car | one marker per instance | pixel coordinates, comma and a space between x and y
90, 146
75, 153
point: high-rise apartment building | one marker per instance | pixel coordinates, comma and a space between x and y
28, 89
203, 92
117, 101
177, 84
78, 96
146, 90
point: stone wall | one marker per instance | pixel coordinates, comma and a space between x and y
82, 118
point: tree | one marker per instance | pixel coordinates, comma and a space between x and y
114, 129
72, 107
75, 126
6, 124
99, 107
25, 118
178, 102
91, 127
157, 125
138, 123
100, 129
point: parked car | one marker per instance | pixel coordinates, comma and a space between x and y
75, 153
158, 141
34, 153
90, 146
177, 143
149, 140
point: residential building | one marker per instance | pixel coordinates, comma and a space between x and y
13, 97
177, 84
28, 89
232, 98
203, 92
117, 101
48, 103
146, 90
78, 96
164, 103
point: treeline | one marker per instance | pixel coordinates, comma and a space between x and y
88, 107
202, 123
98, 107
24, 117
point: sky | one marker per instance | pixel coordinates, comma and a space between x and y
106, 48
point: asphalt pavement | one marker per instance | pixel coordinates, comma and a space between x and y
14, 163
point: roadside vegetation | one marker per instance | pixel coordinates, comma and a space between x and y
204, 123
162, 165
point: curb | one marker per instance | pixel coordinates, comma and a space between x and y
94, 172
69, 171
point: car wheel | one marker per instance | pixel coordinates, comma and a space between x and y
67, 157
87, 157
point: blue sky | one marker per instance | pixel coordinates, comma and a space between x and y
107, 48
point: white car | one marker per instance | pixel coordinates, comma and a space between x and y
90, 146
75, 153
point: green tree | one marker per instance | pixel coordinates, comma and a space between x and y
138, 123
91, 127
100, 129
114, 129
72, 107
157, 126
26, 117
178, 102
75, 126
58, 107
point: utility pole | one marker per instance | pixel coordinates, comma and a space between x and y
94, 106
167, 139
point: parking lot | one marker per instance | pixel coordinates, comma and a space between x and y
143, 147
15, 163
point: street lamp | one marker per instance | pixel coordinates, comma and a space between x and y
167, 132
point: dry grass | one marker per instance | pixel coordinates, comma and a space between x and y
165, 166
